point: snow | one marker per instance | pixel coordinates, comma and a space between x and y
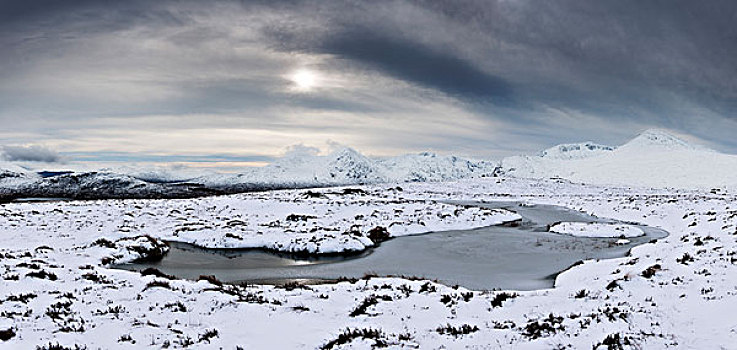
653, 159
655, 138
12, 176
428, 166
575, 151
11, 171
8, 167
159, 174
56, 284
678, 292
327, 221
326, 225
598, 230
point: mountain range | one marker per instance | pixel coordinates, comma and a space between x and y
652, 159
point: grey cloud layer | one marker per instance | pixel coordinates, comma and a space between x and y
32, 153
520, 75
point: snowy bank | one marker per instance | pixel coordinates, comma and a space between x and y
596, 230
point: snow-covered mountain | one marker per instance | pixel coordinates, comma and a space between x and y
342, 167
652, 159
346, 166
660, 140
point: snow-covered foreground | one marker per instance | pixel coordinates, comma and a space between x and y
327, 221
676, 293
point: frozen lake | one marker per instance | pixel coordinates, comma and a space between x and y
520, 256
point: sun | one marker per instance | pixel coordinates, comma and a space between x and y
304, 79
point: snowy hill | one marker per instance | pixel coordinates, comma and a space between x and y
158, 174
99, 185
13, 176
10, 170
652, 159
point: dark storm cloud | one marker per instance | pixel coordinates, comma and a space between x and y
49, 24
16, 11
419, 64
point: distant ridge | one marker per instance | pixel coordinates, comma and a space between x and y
344, 166
653, 158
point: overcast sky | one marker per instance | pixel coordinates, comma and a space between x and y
236, 83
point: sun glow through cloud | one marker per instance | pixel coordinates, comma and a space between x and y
304, 79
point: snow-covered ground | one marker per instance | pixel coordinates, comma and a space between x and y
595, 229
309, 221
679, 292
